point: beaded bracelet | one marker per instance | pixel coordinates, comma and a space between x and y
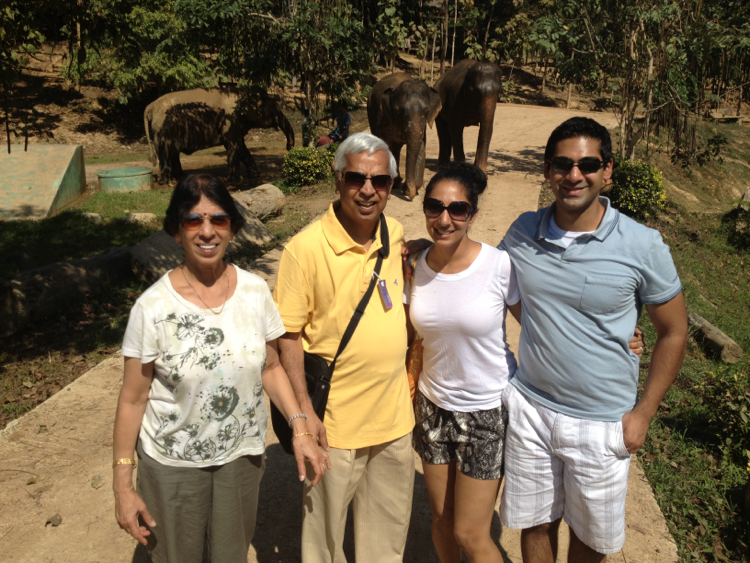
301, 415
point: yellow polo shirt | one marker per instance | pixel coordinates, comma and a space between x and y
322, 276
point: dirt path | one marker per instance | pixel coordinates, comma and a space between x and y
65, 443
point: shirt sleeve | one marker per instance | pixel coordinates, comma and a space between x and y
508, 280
141, 338
660, 281
274, 325
292, 293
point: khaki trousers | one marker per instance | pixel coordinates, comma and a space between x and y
380, 481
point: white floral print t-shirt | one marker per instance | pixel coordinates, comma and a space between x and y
205, 406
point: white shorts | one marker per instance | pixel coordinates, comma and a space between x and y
558, 465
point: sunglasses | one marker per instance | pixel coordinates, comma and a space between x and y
458, 210
193, 221
358, 180
588, 165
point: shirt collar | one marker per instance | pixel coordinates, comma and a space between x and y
607, 225
337, 236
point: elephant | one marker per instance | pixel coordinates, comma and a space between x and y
197, 119
399, 109
468, 93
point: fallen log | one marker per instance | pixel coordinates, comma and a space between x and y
714, 340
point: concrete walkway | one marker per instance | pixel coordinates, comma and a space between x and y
65, 443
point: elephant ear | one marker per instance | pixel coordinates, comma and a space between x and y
385, 102
434, 108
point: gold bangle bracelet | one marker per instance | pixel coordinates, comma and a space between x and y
124, 461
301, 434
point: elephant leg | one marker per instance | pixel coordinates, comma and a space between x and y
457, 140
166, 162
444, 137
247, 159
395, 149
175, 165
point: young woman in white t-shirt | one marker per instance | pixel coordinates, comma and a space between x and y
461, 292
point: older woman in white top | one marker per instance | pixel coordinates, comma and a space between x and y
200, 348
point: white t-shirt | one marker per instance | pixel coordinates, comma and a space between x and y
461, 317
566, 237
205, 406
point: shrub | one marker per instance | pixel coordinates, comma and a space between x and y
304, 166
726, 394
637, 188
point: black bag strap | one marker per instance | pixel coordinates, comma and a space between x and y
383, 252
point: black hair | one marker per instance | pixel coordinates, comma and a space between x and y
470, 176
580, 127
187, 193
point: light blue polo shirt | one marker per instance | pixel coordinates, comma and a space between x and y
580, 307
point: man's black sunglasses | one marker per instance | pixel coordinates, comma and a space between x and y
588, 165
458, 210
358, 180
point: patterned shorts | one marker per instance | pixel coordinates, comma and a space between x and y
474, 439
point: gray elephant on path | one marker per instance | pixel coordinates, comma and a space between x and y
468, 93
192, 120
399, 109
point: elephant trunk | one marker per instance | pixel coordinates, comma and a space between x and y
486, 124
414, 162
286, 127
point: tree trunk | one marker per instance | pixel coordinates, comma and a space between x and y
432, 60
453, 47
7, 120
444, 36
487, 31
544, 75
570, 86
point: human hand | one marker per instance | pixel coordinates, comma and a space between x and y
128, 505
634, 430
409, 248
306, 450
637, 343
316, 428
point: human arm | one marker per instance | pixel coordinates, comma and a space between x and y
292, 359
409, 248
131, 405
636, 343
670, 321
276, 384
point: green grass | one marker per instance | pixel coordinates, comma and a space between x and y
698, 478
116, 157
116, 206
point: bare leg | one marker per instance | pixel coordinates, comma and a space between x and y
441, 482
474, 507
539, 544
581, 553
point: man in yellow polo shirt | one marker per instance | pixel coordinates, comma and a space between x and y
324, 272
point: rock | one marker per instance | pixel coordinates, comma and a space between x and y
264, 201
746, 197
42, 292
158, 253
155, 255
94, 218
715, 340
55, 520
27, 383
98, 481
143, 218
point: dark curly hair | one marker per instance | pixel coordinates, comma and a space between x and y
187, 193
580, 127
469, 176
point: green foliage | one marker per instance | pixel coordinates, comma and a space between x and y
726, 396
19, 38
391, 30
737, 225
637, 189
304, 166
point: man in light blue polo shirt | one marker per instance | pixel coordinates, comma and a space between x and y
584, 272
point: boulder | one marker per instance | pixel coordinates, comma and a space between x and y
94, 218
746, 197
143, 218
264, 201
158, 253
43, 292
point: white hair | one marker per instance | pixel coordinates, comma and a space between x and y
361, 142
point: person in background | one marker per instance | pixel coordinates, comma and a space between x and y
200, 347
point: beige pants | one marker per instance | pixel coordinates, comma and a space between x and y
380, 481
